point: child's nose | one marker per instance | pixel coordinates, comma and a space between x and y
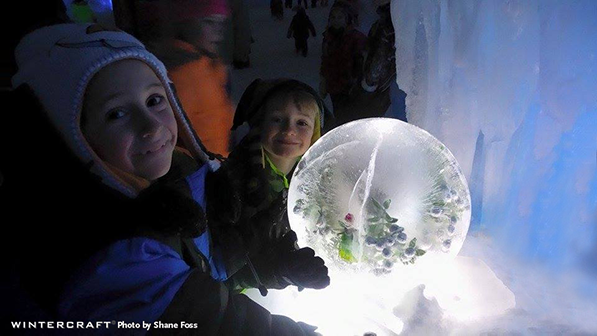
287, 127
149, 125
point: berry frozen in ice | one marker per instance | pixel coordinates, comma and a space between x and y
371, 241
401, 238
436, 211
395, 228
446, 245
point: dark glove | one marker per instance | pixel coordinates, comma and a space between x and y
300, 267
281, 265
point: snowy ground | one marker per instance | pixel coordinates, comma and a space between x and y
272, 54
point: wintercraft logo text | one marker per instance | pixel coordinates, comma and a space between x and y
101, 324
61, 325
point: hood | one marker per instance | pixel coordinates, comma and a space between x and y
57, 62
259, 91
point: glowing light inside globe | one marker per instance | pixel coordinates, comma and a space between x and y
377, 194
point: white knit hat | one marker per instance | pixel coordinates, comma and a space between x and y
58, 62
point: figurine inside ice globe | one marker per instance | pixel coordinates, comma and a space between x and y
377, 194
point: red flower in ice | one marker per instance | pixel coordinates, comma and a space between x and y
348, 217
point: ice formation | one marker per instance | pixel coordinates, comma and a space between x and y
509, 87
379, 193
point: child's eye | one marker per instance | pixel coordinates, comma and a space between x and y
303, 123
115, 114
275, 119
155, 100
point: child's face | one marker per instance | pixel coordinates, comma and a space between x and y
128, 120
287, 131
337, 19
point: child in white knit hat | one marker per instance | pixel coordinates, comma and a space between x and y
142, 251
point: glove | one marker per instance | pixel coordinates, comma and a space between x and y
304, 270
300, 267
284, 264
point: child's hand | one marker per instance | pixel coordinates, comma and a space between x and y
300, 267
305, 270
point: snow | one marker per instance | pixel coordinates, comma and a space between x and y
272, 54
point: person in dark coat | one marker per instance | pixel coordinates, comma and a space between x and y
138, 231
277, 9
299, 28
288, 116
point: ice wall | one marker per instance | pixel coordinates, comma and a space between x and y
511, 88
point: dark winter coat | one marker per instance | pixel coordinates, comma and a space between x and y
91, 253
342, 59
300, 26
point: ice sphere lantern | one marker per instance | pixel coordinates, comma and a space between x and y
377, 194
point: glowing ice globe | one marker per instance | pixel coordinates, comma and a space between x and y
377, 194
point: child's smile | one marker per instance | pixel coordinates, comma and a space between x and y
129, 122
287, 131
155, 148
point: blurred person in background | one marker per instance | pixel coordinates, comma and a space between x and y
342, 60
186, 36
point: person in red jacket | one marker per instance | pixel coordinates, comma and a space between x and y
342, 59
